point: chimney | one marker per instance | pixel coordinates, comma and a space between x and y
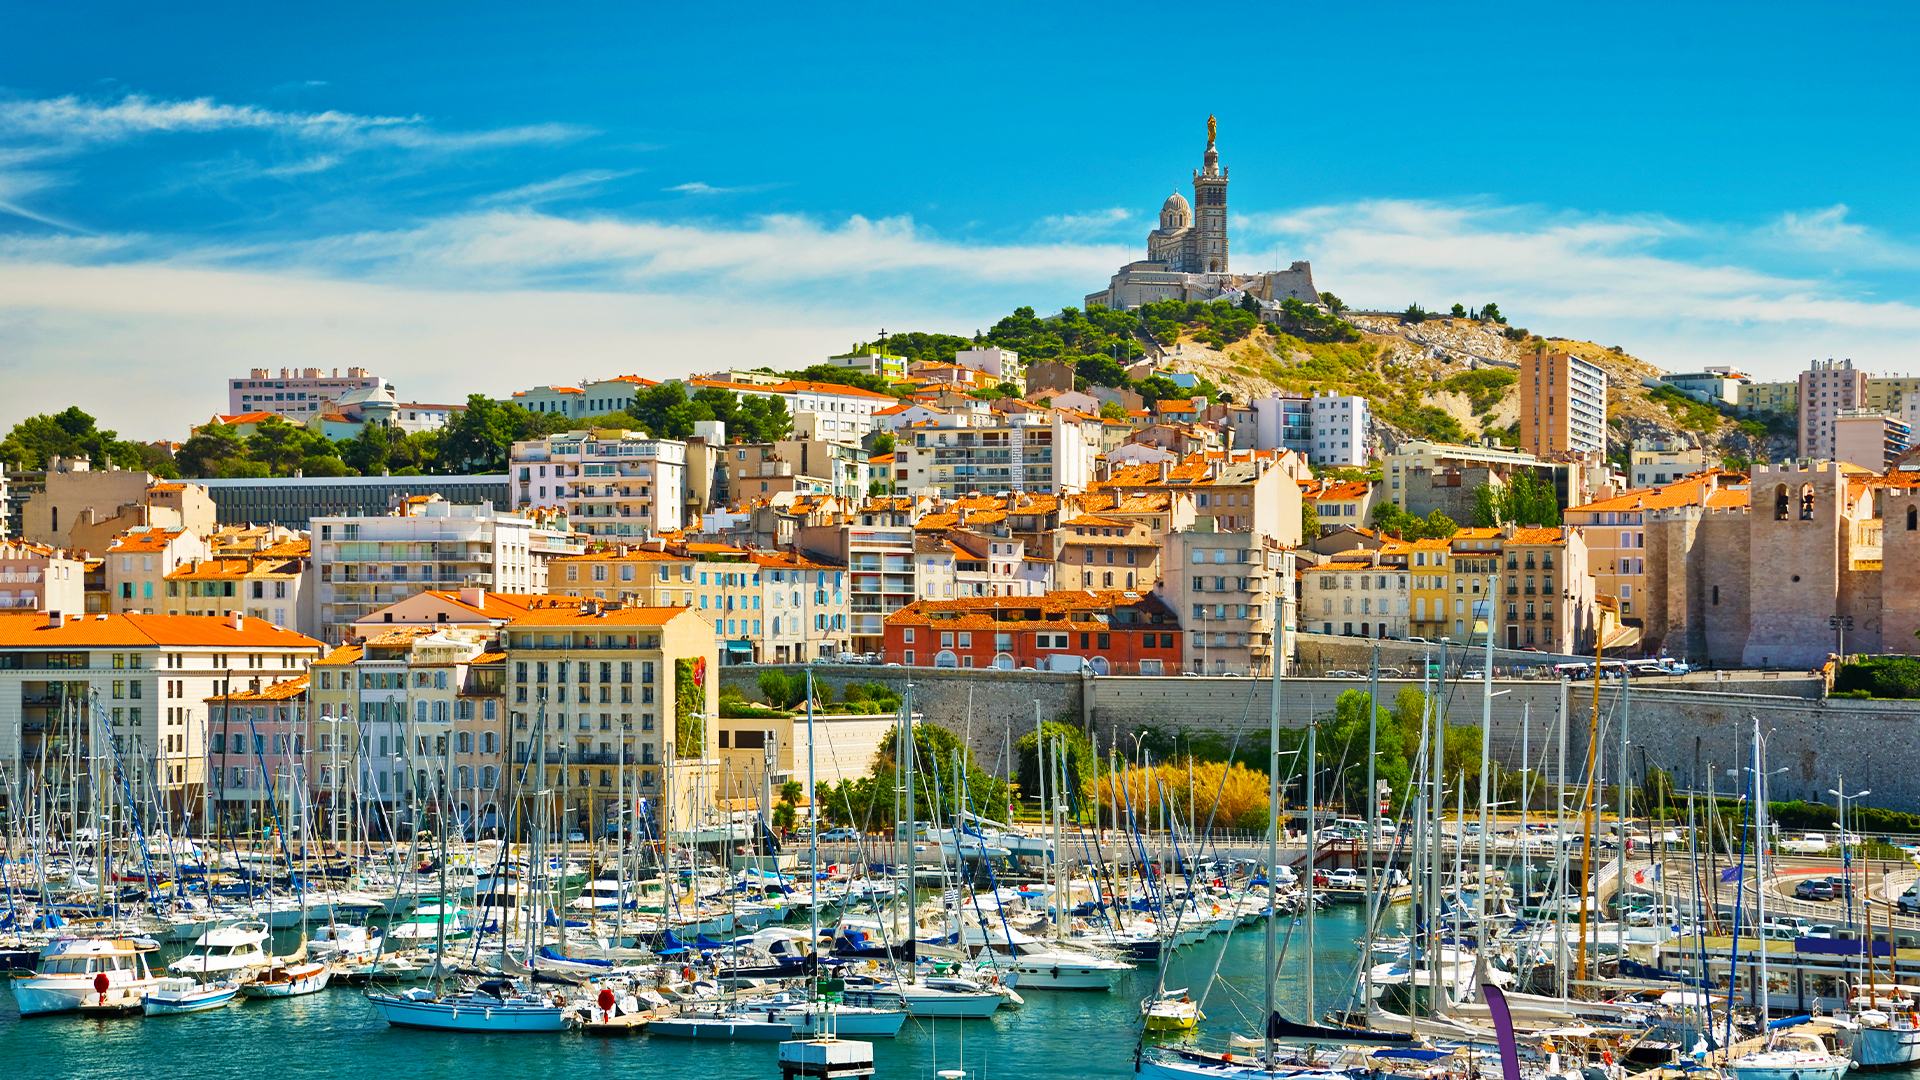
623, 551
239, 621
474, 597
55, 620
1163, 471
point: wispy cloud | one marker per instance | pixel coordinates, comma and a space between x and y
1099, 223
701, 187
77, 119
301, 84
560, 187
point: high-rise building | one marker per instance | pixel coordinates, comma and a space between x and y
296, 392
618, 484
366, 563
1563, 405
1825, 389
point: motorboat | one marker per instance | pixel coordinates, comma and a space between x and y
426, 924
288, 979
1171, 1010
343, 942
1885, 1039
227, 950
1065, 969
170, 997
496, 1006
816, 1018
94, 973
1790, 1055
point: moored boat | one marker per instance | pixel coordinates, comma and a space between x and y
171, 997
75, 973
496, 1006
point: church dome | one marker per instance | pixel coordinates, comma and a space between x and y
1176, 203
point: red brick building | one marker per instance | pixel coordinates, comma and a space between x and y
1110, 631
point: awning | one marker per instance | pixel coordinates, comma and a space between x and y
740, 646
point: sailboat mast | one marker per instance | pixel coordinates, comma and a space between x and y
1586, 799
1373, 822
1313, 849
1273, 850
912, 861
813, 844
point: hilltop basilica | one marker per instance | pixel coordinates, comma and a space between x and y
1187, 255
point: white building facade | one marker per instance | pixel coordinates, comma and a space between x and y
620, 485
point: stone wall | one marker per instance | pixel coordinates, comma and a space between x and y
1689, 733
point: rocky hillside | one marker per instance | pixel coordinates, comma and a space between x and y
1454, 379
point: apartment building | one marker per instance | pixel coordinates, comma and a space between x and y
67, 682
1826, 389
82, 508
1254, 495
957, 562
1778, 398
35, 577
1426, 476
1614, 535
1326, 428
1870, 439
296, 393
1092, 552
1359, 593
878, 553
1563, 405
615, 483
1050, 453
591, 398
256, 756
591, 691
138, 563
745, 472
1430, 588
405, 722
1339, 502
1547, 591
1715, 385
828, 412
1655, 464
363, 565
1234, 591
872, 361
269, 585
1105, 632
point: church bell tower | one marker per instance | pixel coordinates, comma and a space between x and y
1210, 211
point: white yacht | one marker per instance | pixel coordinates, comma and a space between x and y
70, 971
227, 950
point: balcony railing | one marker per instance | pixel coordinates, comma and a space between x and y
557, 758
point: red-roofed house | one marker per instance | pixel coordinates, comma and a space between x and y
1108, 632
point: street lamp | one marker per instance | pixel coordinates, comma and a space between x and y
1846, 852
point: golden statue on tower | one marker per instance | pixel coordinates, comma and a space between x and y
1212, 126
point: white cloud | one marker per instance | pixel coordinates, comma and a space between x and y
74, 118
699, 187
1099, 223
1618, 279
573, 183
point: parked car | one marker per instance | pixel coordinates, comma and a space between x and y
1909, 901
1842, 888
1813, 889
840, 836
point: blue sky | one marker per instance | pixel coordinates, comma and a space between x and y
485, 197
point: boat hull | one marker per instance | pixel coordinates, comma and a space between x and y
1886, 1047
435, 1016
701, 1028
176, 1002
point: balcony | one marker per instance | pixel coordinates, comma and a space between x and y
9, 577
557, 757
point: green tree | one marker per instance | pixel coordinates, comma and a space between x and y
882, 444
372, 449
1459, 311
1524, 500
285, 447
1309, 520
480, 438
1334, 303
1079, 759
73, 433
689, 699
1491, 313
323, 465
209, 449
1112, 410
936, 752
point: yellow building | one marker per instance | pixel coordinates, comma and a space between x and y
591, 689
1430, 589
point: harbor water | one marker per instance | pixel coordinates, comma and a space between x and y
1056, 1034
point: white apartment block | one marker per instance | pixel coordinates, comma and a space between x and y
70, 683
34, 577
1340, 426
1051, 453
828, 412
620, 485
1002, 364
1826, 389
591, 398
1356, 589
1233, 591
363, 564
295, 393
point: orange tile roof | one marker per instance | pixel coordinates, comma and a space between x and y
230, 567
166, 487
498, 604
30, 629
1545, 535
1473, 532
489, 657
154, 539
1349, 489
977, 612
793, 386
243, 418
573, 612
881, 459
1690, 491
786, 560
283, 690
632, 555
345, 654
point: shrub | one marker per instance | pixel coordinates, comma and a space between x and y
741, 710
